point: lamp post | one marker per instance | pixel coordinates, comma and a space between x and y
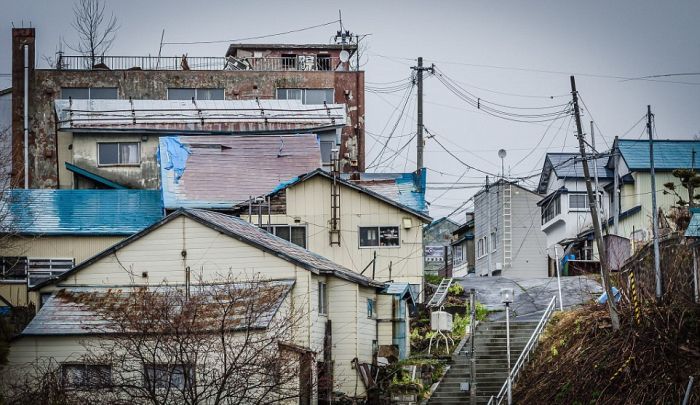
556, 257
507, 298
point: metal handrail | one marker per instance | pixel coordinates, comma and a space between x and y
525, 354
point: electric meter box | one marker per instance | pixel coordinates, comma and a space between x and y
441, 320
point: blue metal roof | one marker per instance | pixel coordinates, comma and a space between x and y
669, 154
81, 212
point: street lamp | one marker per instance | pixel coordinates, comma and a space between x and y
507, 298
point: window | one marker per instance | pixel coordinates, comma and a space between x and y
307, 96
86, 375
551, 209
323, 62
197, 94
176, 376
289, 61
89, 93
118, 153
326, 150
480, 247
458, 253
322, 298
578, 201
379, 236
291, 233
371, 308
493, 241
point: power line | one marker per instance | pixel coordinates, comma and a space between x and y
256, 37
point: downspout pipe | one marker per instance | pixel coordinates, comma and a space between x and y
26, 116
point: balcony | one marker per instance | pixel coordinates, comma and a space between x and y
269, 64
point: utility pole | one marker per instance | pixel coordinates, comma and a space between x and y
655, 215
419, 130
487, 241
691, 189
598, 204
614, 318
616, 189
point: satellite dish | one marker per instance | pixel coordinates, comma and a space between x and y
501, 153
344, 56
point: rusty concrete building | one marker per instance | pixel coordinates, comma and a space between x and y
309, 74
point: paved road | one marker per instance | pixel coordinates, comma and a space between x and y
531, 295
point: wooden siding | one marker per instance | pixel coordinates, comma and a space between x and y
309, 203
80, 248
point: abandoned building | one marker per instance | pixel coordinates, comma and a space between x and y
297, 76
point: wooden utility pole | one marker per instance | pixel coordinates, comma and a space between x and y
419, 117
654, 210
594, 213
616, 189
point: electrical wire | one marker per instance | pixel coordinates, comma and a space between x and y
255, 37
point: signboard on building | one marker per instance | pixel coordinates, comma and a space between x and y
434, 253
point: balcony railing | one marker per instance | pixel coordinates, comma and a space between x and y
292, 63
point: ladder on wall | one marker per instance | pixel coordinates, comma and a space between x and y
441, 293
334, 223
507, 225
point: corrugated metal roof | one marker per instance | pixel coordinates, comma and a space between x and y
78, 311
669, 154
245, 232
222, 171
252, 115
81, 212
400, 289
250, 233
405, 188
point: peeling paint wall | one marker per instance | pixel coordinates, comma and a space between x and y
45, 86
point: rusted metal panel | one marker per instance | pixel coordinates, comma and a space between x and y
223, 171
255, 115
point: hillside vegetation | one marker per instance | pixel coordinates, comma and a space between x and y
581, 360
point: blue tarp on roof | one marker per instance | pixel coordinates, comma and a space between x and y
668, 154
81, 212
407, 189
693, 230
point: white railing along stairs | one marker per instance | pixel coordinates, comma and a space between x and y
441, 293
525, 355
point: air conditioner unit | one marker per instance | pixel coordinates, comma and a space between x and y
499, 266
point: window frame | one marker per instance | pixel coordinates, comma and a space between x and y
585, 202
169, 368
379, 237
89, 92
371, 308
273, 230
493, 241
555, 206
196, 93
322, 298
86, 384
118, 143
304, 93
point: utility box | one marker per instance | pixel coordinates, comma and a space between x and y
441, 320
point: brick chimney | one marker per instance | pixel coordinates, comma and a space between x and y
20, 38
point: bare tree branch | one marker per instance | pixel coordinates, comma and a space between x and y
96, 31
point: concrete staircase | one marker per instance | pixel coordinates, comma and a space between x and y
491, 362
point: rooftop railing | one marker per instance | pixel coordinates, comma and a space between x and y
290, 63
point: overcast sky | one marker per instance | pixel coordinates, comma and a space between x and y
504, 52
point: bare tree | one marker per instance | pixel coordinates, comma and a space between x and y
96, 31
227, 343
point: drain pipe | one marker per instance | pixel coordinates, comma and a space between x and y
26, 116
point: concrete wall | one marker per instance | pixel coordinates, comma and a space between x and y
82, 152
45, 87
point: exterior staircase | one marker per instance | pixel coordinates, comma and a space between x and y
491, 363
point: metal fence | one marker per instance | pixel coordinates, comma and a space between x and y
292, 63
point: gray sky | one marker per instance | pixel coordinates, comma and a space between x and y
489, 47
